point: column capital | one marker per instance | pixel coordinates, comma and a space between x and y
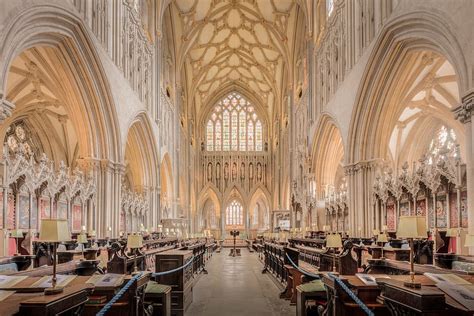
464, 112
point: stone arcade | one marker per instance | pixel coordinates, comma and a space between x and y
140, 136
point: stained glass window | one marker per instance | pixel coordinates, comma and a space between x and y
258, 136
218, 146
19, 135
242, 131
329, 7
234, 214
234, 125
250, 137
210, 136
234, 131
444, 145
226, 120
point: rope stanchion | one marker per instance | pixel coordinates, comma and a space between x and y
301, 270
122, 291
174, 270
351, 294
118, 295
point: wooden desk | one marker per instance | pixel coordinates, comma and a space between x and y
428, 300
63, 268
71, 300
387, 266
181, 281
370, 294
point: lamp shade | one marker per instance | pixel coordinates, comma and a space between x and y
92, 233
451, 232
375, 232
384, 228
333, 241
135, 241
412, 227
469, 241
382, 237
16, 233
82, 239
54, 230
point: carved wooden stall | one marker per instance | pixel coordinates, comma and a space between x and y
435, 187
36, 189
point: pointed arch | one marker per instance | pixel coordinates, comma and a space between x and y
416, 31
141, 154
259, 210
207, 197
327, 154
94, 113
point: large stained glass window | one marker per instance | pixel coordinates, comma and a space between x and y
210, 136
234, 126
258, 136
226, 145
234, 214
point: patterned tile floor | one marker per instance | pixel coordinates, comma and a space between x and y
236, 286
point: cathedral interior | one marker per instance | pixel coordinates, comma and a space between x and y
233, 157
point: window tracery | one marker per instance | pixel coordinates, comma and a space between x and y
242, 129
19, 135
234, 214
443, 146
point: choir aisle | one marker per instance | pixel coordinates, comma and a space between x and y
236, 286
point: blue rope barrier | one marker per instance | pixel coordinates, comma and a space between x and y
174, 270
118, 295
130, 282
351, 294
301, 270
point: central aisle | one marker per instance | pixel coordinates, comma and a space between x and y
236, 286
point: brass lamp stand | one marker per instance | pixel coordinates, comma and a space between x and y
54, 231
17, 234
411, 227
382, 238
135, 242
334, 241
82, 239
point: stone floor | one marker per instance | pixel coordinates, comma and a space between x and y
236, 286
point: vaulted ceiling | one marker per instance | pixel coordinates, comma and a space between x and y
39, 86
244, 45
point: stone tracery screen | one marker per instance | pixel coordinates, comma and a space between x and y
234, 125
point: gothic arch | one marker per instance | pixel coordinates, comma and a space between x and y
229, 88
232, 193
209, 195
141, 154
259, 198
30, 27
327, 154
413, 32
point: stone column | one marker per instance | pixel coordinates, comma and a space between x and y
464, 114
155, 110
108, 196
360, 179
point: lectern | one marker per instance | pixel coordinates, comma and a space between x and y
233, 251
